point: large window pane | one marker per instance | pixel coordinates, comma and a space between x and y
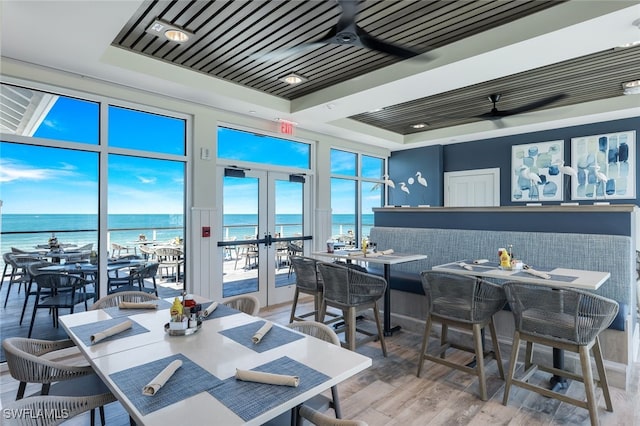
343, 163
244, 146
372, 195
147, 132
34, 113
343, 208
372, 167
145, 196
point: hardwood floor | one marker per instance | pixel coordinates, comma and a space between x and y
389, 393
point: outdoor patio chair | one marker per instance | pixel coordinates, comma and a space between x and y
170, 258
19, 273
136, 280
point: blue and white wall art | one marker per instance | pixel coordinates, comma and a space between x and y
535, 175
606, 166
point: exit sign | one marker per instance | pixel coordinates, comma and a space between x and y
286, 127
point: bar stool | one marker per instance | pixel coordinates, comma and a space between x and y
566, 319
467, 303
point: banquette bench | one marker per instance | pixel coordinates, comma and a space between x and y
611, 253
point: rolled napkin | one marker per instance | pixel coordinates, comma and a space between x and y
261, 332
137, 305
355, 253
212, 307
387, 251
95, 338
373, 254
537, 273
159, 381
480, 261
268, 378
465, 266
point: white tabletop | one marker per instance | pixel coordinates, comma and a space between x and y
384, 259
214, 352
561, 277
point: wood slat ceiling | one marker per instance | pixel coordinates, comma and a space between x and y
229, 33
588, 78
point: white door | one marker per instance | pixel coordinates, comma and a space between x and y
263, 211
472, 188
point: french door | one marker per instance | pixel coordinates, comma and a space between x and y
264, 221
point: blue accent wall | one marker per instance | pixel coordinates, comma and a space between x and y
403, 168
494, 152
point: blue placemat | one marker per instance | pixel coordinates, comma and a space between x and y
277, 336
85, 331
116, 312
248, 399
188, 380
563, 278
221, 311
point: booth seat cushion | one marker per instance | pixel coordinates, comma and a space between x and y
409, 282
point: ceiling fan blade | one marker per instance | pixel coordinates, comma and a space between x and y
277, 55
348, 16
373, 43
534, 105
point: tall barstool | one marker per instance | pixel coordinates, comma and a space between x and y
467, 303
566, 319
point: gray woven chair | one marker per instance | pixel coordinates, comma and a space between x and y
352, 291
322, 332
27, 365
565, 319
136, 280
114, 299
308, 281
58, 409
19, 273
467, 303
33, 269
319, 419
246, 303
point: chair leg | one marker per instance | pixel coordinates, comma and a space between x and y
102, 416
528, 357
512, 367
496, 348
376, 314
350, 329
294, 305
33, 316
425, 342
26, 299
444, 339
21, 388
477, 344
335, 402
92, 416
602, 374
587, 375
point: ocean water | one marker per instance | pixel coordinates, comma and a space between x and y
25, 231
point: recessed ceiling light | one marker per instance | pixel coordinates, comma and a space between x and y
419, 125
170, 32
293, 78
631, 87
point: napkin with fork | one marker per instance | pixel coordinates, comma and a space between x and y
119, 328
161, 379
268, 378
257, 337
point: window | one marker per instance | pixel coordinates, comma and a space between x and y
356, 188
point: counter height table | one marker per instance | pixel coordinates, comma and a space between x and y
204, 390
382, 259
559, 277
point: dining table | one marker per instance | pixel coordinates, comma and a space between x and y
381, 258
204, 390
551, 276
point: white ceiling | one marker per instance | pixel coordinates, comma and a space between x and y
76, 36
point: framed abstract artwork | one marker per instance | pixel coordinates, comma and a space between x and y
535, 176
606, 166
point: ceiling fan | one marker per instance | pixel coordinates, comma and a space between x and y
345, 32
496, 114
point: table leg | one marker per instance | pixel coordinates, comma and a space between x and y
387, 329
558, 383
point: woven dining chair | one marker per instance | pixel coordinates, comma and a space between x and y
136, 280
308, 281
466, 303
245, 303
114, 299
320, 419
563, 318
323, 332
27, 364
33, 269
352, 291
19, 273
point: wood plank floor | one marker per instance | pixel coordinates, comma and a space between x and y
389, 393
